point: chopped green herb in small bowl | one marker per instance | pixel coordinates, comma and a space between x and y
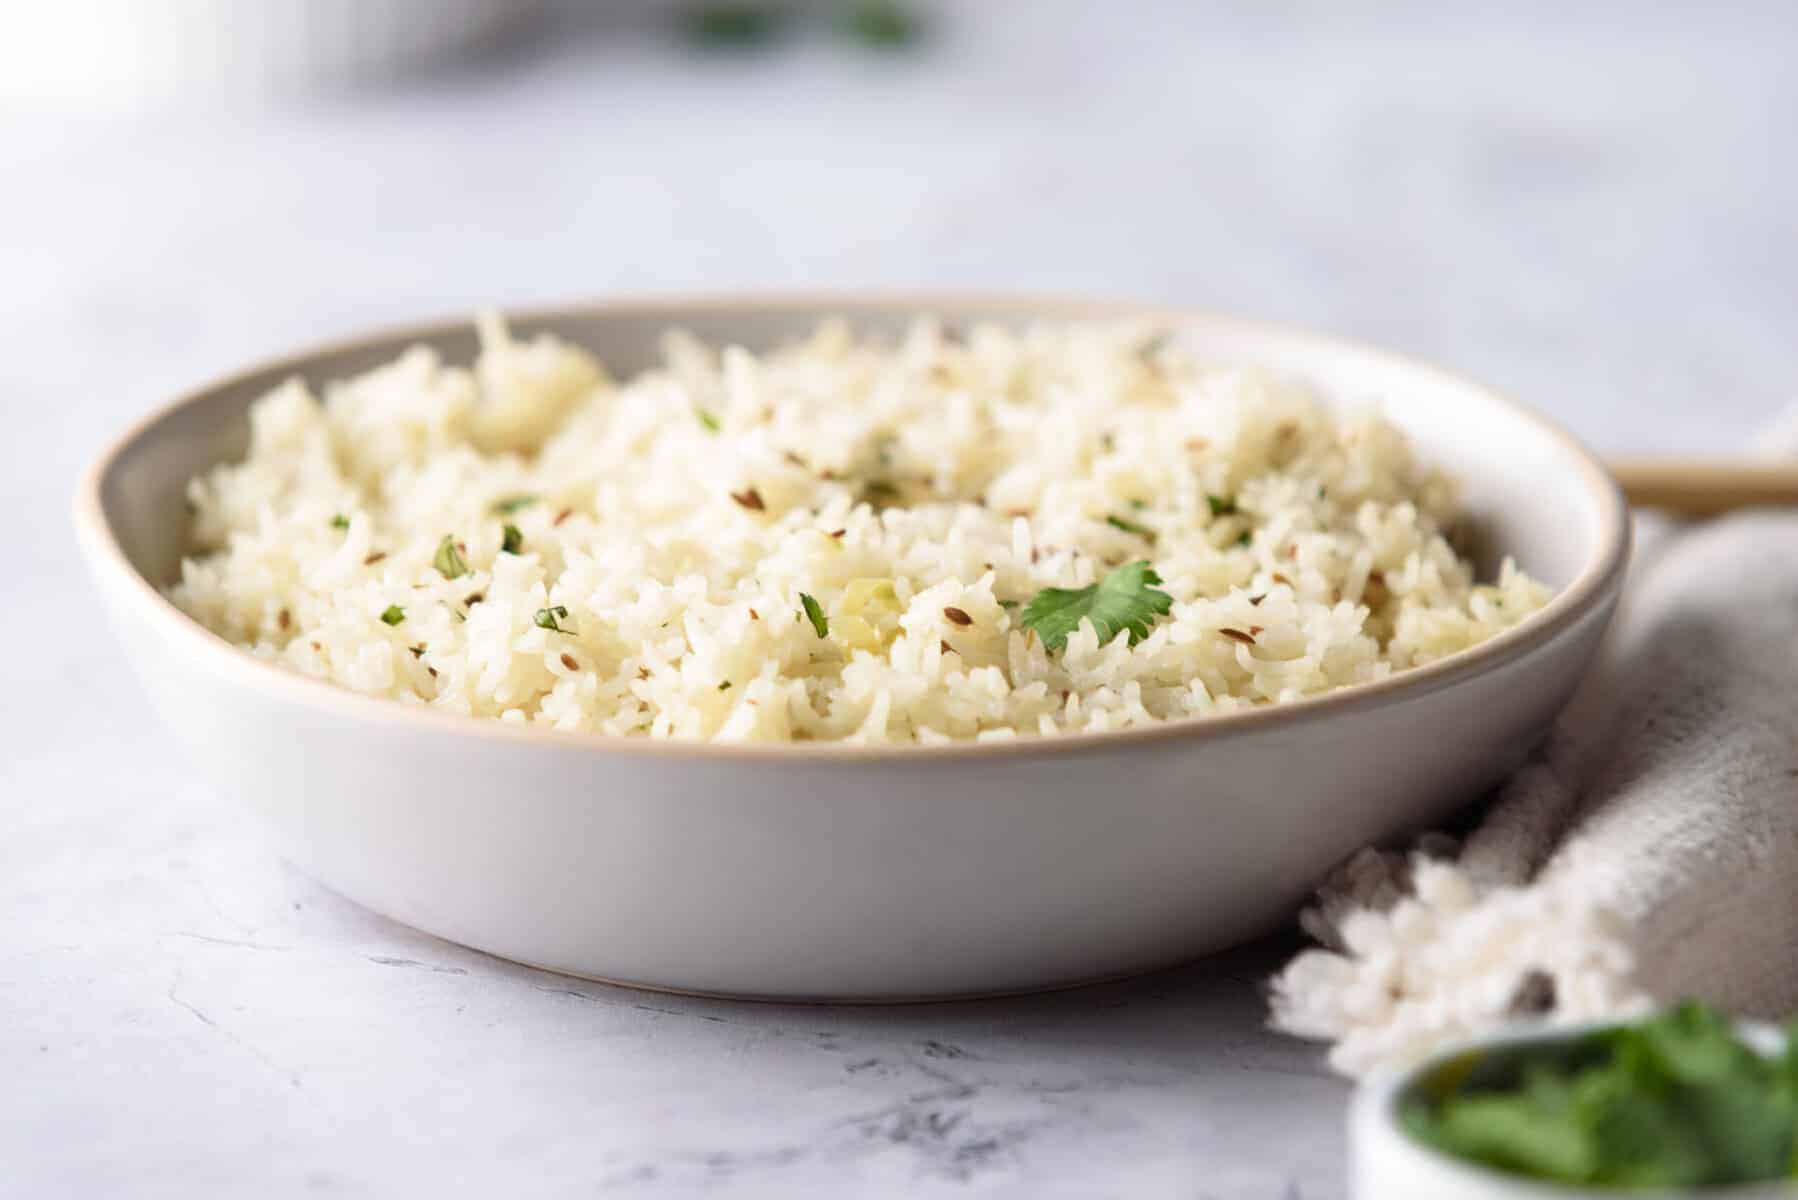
1684, 1103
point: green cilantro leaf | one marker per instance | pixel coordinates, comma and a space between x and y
878, 493
815, 615
1129, 526
1125, 601
1530, 1134
513, 540
711, 422
1678, 1101
340, 522
393, 615
449, 558
1221, 506
508, 505
547, 618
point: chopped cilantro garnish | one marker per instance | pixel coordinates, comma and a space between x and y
1244, 538
393, 615
1125, 601
725, 686
510, 504
418, 651
1678, 1101
814, 614
710, 421
1155, 344
340, 522
1221, 506
449, 558
1008, 604
547, 618
1129, 526
513, 540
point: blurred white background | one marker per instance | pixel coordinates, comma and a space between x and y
1590, 205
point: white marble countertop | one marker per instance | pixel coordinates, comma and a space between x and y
1591, 208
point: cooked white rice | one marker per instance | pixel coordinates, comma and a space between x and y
678, 519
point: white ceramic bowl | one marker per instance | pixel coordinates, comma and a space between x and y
1386, 1163
87, 53
826, 871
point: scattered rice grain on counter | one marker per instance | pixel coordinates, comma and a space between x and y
841, 539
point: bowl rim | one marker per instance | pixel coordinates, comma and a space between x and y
1374, 1115
1596, 581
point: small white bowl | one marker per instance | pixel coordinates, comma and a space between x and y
106, 52
1386, 1163
831, 871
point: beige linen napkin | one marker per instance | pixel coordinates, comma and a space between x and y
1649, 852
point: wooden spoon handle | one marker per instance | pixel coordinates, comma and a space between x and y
1701, 487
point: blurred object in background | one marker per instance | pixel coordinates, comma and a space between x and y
117, 54
723, 24
114, 53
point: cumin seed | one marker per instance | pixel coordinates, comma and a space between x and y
568, 661
749, 498
374, 558
1237, 635
562, 516
958, 616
